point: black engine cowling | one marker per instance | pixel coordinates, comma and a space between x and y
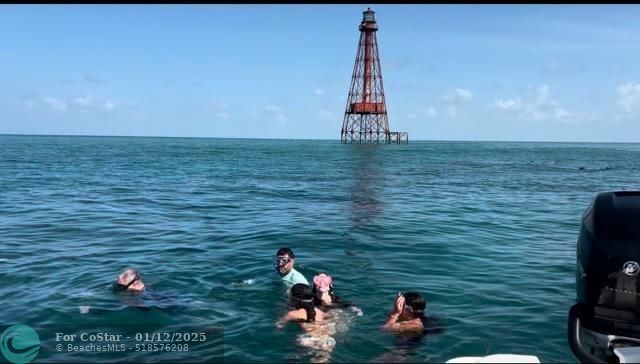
608, 272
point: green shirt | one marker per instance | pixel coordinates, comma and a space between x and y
294, 277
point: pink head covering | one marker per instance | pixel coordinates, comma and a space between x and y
322, 282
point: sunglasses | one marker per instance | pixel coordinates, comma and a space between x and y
281, 261
124, 287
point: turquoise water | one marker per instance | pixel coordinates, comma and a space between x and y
486, 231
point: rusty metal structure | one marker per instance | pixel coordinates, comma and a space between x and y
365, 117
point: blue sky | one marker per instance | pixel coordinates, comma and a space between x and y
451, 72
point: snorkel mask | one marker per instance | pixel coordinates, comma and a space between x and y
412, 306
300, 302
123, 287
280, 262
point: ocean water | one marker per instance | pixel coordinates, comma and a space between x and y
485, 231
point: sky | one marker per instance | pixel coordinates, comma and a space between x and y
451, 72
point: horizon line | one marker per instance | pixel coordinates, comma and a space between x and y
319, 139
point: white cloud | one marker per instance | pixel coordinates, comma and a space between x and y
318, 91
544, 108
429, 112
82, 101
108, 105
454, 99
457, 96
29, 104
629, 96
277, 113
54, 103
541, 107
543, 94
82, 104
220, 109
507, 105
86, 103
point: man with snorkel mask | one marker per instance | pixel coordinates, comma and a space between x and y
283, 263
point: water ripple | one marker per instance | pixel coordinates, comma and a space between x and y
486, 231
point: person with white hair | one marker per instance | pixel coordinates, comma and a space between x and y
130, 280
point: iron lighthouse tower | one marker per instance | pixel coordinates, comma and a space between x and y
365, 116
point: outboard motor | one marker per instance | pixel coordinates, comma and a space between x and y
604, 324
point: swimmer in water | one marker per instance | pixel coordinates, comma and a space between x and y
411, 326
408, 314
283, 262
130, 280
304, 310
323, 295
318, 332
325, 298
133, 293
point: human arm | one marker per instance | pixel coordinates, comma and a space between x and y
296, 315
410, 326
392, 322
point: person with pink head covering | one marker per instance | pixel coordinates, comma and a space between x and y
323, 289
325, 298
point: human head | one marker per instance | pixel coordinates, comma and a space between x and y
130, 280
284, 261
322, 283
301, 292
302, 297
414, 305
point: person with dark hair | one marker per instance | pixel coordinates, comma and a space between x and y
408, 314
318, 332
301, 300
283, 262
411, 326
